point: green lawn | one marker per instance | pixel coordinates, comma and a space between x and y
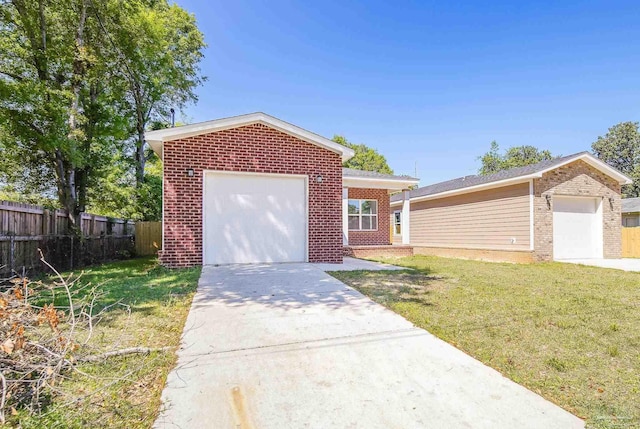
124, 392
570, 333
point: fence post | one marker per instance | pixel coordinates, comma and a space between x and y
12, 253
71, 268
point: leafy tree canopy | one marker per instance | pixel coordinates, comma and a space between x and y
620, 148
516, 156
366, 158
80, 82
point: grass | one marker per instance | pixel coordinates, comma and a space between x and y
570, 333
124, 392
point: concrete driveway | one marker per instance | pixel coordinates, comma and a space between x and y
288, 346
625, 264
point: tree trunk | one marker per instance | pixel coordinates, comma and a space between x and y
77, 81
140, 125
140, 158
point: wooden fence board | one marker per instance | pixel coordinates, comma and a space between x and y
25, 228
631, 242
148, 238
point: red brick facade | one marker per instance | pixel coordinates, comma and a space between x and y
259, 149
382, 235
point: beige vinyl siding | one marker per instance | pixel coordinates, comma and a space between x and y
479, 220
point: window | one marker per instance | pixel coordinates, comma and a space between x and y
363, 215
397, 222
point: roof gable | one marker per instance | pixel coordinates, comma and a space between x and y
157, 138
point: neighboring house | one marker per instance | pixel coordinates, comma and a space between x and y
253, 188
564, 208
631, 212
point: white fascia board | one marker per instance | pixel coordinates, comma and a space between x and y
588, 158
391, 185
157, 138
598, 165
482, 187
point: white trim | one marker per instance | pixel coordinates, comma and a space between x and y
250, 173
482, 187
586, 157
406, 217
377, 214
345, 216
531, 217
623, 179
157, 138
378, 183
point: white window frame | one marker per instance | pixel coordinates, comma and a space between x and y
360, 214
397, 221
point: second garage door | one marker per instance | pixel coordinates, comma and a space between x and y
251, 218
577, 228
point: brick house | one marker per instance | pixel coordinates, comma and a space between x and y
253, 188
565, 208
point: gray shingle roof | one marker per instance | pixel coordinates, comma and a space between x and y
631, 205
468, 181
350, 172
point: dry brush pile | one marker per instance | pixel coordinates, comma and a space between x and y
46, 329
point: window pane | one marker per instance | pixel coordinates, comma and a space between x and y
354, 206
397, 216
354, 222
374, 222
366, 222
370, 207
397, 229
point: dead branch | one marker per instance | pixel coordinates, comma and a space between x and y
42, 340
123, 352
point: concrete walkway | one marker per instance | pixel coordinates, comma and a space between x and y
625, 264
288, 346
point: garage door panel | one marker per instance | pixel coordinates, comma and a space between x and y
254, 218
577, 228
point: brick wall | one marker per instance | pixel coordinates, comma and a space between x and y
382, 235
576, 179
378, 251
253, 148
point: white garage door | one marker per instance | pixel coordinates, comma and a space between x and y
577, 228
252, 218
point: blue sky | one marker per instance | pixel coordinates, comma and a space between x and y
430, 83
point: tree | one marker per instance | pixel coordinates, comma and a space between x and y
516, 156
365, 158
80, 81
52, 95
620, 148
157, 47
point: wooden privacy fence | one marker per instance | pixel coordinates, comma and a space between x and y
25, 228
631, 242
148, 238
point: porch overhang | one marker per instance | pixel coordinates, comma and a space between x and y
391, 185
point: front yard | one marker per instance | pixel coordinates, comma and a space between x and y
570, 333
146, 307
